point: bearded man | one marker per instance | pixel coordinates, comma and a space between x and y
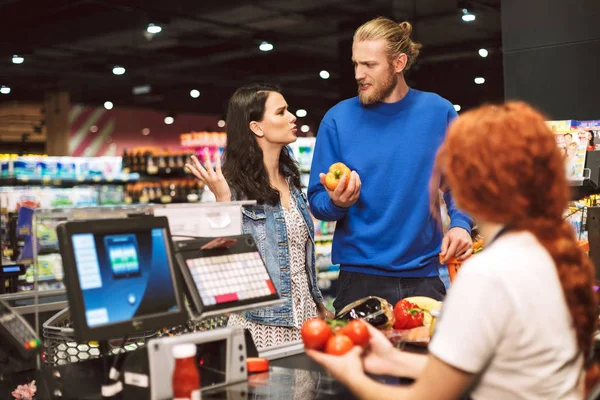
387, 242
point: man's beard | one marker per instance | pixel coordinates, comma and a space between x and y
379, 91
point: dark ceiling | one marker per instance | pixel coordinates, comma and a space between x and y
212, 46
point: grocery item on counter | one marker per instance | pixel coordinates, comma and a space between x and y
374, 310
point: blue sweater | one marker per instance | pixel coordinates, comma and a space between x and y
390, 230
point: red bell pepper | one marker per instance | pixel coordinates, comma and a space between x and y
408, 315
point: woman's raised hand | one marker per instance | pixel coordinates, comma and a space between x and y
212, 177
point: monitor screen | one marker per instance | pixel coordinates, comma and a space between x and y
121, 277
124, 275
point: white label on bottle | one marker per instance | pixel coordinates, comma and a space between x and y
196, 395
133, 379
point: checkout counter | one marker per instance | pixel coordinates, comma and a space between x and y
127, 277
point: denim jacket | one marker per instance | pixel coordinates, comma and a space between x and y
266, 223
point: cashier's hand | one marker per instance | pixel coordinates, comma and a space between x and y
212, 177
344, 369
344, 196
457, 243
379, 356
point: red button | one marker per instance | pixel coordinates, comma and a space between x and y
225, 298
271, 287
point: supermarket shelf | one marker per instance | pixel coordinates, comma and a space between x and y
166, 172
67, 182
329, 275
323, 238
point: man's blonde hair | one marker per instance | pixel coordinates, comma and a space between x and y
396, 35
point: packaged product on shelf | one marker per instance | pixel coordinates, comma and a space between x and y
66, 168
49, 166
6, 165
25, 166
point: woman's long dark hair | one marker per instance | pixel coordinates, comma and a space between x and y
243, 164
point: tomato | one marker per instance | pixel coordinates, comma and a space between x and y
357, 331
408, 315
338, 345
336, 171
315, 333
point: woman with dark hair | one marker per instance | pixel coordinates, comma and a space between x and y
519, 319
257, 165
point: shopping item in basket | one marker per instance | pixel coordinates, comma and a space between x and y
374, 310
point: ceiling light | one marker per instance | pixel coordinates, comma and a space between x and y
467, 16
324, 74
118, 70
305, 128
17, 59
483, 53
301, 113
479, 80
143, 89
195, 93
108, 105
457, 107
4, 89
169, 120
154, 29
265, 46
145, 131
221, 123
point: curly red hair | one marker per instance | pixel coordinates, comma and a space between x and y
503, 166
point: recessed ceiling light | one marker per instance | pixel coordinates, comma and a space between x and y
301, 113
4, 89
467, 16
142, 89
483, 53
118, 70
17, 59
108, 105
324, 74
195, 93
221, 123
265, 46
479, 80
145, 131
305, 128
457, 107
169, 120
153, 28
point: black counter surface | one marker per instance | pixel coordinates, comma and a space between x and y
296, 377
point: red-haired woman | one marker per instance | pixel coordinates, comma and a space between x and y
518, 321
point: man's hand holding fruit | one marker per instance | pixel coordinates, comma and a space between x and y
342, 185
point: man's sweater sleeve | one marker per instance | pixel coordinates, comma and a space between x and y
326, 152
458, 218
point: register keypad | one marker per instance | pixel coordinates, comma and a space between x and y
232, 277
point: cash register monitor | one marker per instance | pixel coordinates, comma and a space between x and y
120, 277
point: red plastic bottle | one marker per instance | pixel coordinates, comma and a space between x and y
186, 378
